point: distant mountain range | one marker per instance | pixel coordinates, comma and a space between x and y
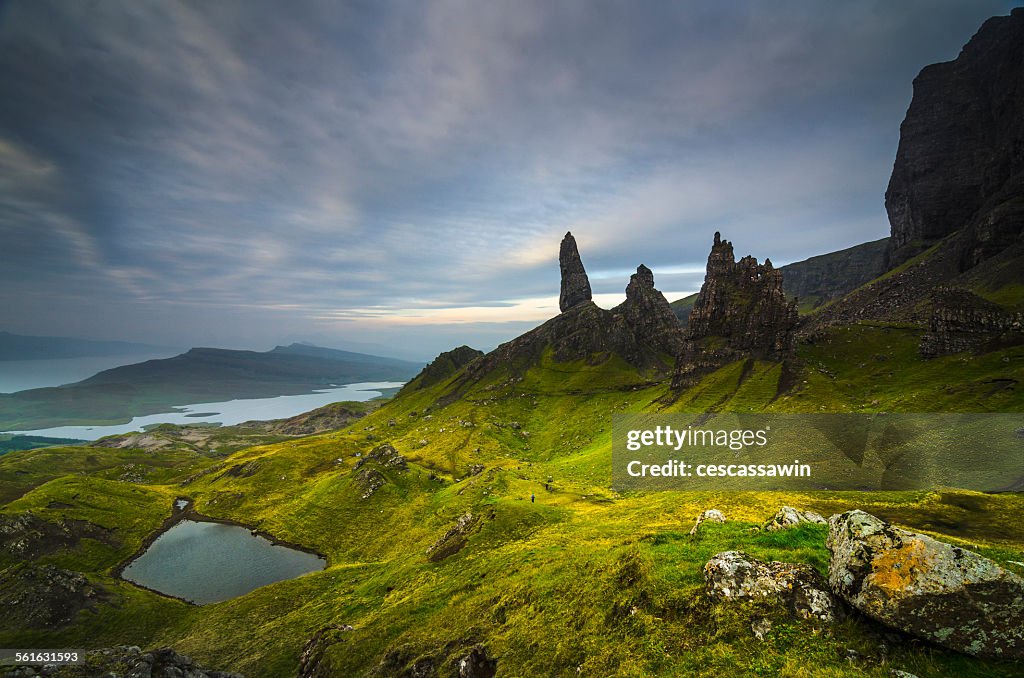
25, 347
200, 375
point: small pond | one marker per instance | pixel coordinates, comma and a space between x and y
206, 562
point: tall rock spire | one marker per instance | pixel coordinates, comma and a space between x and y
575, 285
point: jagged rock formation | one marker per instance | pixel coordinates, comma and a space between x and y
819, 280
959, 161
575, 284
740, 312
642, 331
648, 313
963, 321
936, 591
442, 367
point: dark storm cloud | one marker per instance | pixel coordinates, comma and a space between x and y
247, 172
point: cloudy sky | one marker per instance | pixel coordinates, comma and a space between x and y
399, 174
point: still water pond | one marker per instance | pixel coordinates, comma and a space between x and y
210, 562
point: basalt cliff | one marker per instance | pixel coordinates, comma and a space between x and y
955, 201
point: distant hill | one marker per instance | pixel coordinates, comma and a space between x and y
25, 347
819, 280
200, 375
682, 308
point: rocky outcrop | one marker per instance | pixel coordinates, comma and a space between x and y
27, 536
740, 312
787, 517
820, 279
707, 516
327, 418
575, 284
127, 662
647, 312
442, 367
959, 162
46, 597
963, 321
386, 456
311, 661
733, 575
642, 331
930, 589
476, 664
452, 541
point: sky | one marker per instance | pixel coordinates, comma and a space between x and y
396, 176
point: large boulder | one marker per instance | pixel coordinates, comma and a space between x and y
733, 575
925, 587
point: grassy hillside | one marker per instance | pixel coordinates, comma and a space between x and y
583, 581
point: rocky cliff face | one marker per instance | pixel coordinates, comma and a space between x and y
741, 311
957, 190
960, 161
575, 284
963, 321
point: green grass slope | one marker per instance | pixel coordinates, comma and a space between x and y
583, 581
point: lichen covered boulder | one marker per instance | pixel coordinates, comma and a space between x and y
733, 575
922, 586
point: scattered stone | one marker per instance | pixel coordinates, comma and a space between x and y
708, 515
734, 575
475, 469
575, 284
896, 673
452, 541
925, 587
477, 664
788, 517
761, 626
370, 480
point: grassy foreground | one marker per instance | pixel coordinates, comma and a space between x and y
583, 581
